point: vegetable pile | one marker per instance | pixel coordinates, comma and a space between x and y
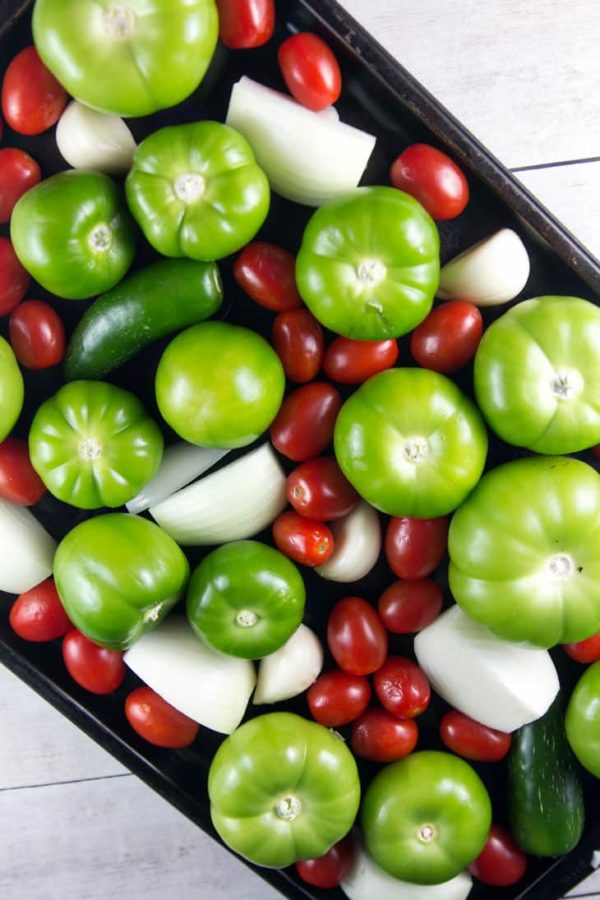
221, 415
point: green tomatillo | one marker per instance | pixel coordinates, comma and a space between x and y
12, 391
582, 721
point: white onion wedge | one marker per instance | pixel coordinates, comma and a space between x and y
181, 463
308, 157
208, 687
291, 669
357, 544
88, 139
234, 503
27, 549
499, 683
489, 273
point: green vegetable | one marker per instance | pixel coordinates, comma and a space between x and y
411, 443
245, 599
544, 789
369, 264
525, 551
118, 576
283, 789
164, 297
12, 391
72, 232
196, 190
583, 720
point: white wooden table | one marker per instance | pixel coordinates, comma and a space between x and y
524, 77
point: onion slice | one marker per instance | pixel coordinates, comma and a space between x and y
357, 543
27, 549
489, 273
291, 669
88, 139
308, 157
208, 687
181, 463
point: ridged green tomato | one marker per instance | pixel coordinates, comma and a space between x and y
525, 551
219, 385
118, 576
426, 817
93, 445
130, 58
73, 233
369, 264
411, 443
196, 190
537, 375
582, 720
12, 391
283, 789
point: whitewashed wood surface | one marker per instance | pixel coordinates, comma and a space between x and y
524, 77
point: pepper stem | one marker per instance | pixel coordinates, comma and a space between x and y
288, 808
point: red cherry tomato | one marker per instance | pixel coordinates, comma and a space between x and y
381, 737
409, 606
501, 862
244, 24
415, 547
471, 739
318, 489
402, 687
298, 341
433, 179
305, 541
337, 698
37, 335
596, 451
14, 279
356, 637
352, 362
304, 425
327, 871
32, 98
448, 338
18, 173
157, 721
19, 482
587, 651
267, 273
38, 615
94, 668
310, 70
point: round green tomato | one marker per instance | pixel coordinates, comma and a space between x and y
245, 599
219, 385
582, 721
196, 190
525, 551
537, 375
72, 232
12, 391
283, 789
369, 264
426, 817
118, 576
93, 444
131, 57
411, 443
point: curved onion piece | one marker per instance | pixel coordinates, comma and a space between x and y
357, 542
27, 549
489, 273
291, 669
88, 139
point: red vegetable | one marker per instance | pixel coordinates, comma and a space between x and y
327, 871
337, 698
18, 173
37, 335
415, 547
157, 721
352, 362
303, 427
433, 179
409, 606
244, 24
310, 70
356, 637
381, 737
14, 279
298, 341
501, 862
94, 668
38, 615
32, 98
267, 273
402, 687
318, 489
304, 540
19, 482
587, 651
471, 739
448, 338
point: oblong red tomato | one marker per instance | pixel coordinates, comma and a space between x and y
329, 870
587, 651
306, 541
468, 738
37, 335
94, 668
19, 482
14, 279
337, 698
244, 24
318, 489
352, 362
303, 427
415, 547
18, 173
38, 615
310, 70
433, 179
402, 687
298, 342
381, 737
157, 721
267, 274
356, 637
409, 606
448, 338
32, 98
501, 862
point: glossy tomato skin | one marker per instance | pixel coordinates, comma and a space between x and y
433, 179
382, 737
157, 721
408, 606
303, 427
298, 342
356, 637
32, 98
448, 338
351, 362
587, 651
37, 335
38, 615
329, 870
310, 70
14, 279
318, 489
18, 173
402, 687
306, 541
94, 668
501, 862
244, 24
19, 482
415, 547
337, 698
472, 740
267, 273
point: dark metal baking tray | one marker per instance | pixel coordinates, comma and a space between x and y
380, 96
